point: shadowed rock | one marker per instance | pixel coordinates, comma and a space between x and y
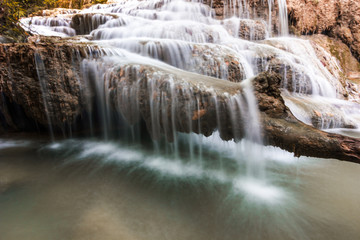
27, 68
85, 23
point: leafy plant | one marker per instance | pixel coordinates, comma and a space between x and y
98, 1
50, 3
12, 10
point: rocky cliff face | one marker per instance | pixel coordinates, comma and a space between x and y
40, 79
347, 71
339, 19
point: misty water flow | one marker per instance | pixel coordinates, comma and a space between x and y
124, 179
97, 189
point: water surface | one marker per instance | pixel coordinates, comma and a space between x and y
95, 189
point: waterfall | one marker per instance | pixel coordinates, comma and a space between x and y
270, 4
164, 64
166, 109
283, 18
41, 72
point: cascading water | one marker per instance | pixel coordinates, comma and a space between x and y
283, 18
152, 71
41, 71
186, 36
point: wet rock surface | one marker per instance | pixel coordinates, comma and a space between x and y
255, 30
85, 23
291, 79
247, 29
40, 78
164, 99
346, 69
186, 103
253, 9
57, 82
282, 129
338, 19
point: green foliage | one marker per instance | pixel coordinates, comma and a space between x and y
50, 3
98, 1
12, 10
315, 2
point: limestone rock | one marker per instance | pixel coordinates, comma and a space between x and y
339, 19
346, 68
38, 78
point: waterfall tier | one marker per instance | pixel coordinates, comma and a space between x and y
175, 66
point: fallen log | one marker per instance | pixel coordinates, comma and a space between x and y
283, 130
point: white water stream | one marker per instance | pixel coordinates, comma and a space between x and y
180, 39
187, 36
94, 189
188, 47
